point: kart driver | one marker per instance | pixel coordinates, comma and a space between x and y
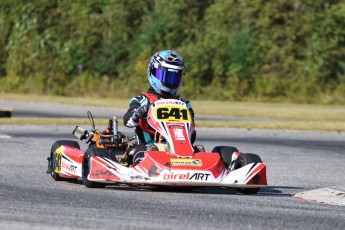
165, 71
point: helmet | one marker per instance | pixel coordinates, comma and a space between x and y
165, 72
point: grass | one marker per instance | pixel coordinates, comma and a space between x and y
277, 115
297, 125
287, 112
101, 102
52, 121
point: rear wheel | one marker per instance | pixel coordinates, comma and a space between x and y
55, 159
225, 153
86, 171
243, 160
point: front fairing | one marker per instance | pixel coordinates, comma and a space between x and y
172, 120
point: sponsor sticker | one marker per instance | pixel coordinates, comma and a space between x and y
178, 134
186, 162
69, 167
186, 176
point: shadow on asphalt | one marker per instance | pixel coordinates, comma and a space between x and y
279, 191
267, 191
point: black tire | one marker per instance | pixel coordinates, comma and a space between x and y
245, 159
139, 153
86, 170
53, 158
225, 153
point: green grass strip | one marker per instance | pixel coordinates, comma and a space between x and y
102, 123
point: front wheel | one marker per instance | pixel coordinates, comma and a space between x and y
86, 171
55, 159
245, 159
225, 153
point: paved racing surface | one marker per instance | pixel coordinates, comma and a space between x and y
297, 162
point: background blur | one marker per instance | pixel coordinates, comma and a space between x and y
250, 50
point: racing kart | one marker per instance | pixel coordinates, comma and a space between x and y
171, 160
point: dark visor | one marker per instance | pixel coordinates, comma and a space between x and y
169, 77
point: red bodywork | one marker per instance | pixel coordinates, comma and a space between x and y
169, 122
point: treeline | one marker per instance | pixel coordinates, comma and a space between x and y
291, 50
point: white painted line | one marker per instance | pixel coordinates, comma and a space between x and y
4, 136
332, 195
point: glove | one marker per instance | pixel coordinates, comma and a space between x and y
140, 112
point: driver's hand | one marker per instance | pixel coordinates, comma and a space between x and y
140, 112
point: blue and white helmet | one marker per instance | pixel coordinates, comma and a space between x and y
165, 72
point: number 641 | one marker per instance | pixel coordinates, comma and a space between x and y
175, 113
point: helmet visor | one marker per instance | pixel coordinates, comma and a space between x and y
169, 77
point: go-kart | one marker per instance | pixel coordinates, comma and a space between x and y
171, 160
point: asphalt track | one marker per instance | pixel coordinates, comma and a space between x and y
297, 163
